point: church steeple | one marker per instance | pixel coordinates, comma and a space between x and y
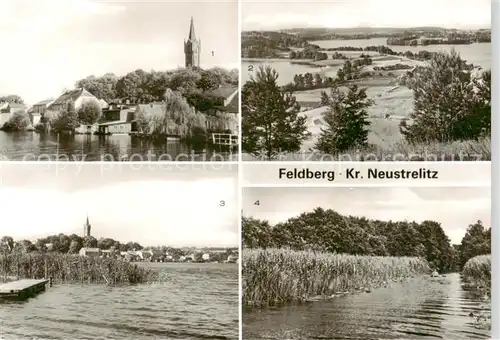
86, 228
192, 48
192, 35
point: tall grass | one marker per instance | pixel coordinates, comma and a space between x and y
64, 268
472, 150
274, 276
477, 272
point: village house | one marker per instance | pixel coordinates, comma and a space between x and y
77, 97
38, 110
41, 107
7, 110
156, 109
228, 108
205, 257
90, 252
116, 119
103, 104
232, 258
107, 253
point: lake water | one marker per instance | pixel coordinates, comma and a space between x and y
478, 54
421, 308
196, 301
32, 146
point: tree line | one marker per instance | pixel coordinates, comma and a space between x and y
328, 231
71, 244
140, 86
451, 103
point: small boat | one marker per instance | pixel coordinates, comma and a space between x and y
435, 274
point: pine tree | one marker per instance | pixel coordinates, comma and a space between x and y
271, 120
346, 120
448, 103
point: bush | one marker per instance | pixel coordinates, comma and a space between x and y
19, 121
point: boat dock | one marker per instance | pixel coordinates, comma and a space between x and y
22, 288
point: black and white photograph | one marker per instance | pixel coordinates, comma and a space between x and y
88, 252
366, 263
366, 80
91, 80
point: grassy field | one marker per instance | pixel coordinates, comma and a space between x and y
479, 150
64, 268
477, 272
275, 276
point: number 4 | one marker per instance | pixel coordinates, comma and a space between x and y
256, 203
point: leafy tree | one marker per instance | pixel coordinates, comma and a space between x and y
449, 103
6, 244
19, 121
66, 120
477, 241
89, 112
346, 119
328, 231
271, 121
74, 247
102, 87
13, 98
341, 75
208, 81
89, 242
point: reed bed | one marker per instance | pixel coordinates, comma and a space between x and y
66, 268
477, 272
275, 276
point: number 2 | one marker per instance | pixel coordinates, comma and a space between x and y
250, 68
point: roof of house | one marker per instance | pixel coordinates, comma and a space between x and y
234, 105
224, 91
44, 102
71, 96
90, 249
116, 122
16, 106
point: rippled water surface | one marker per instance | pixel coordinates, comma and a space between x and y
33, 146
423, 308
196, 301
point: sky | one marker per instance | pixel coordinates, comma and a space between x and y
54, 43
147, 204
454, 207
262, 15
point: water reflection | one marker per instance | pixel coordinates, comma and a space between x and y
32, 146
419, 308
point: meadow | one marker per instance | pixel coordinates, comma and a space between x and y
393, 102
275, 276
67, 268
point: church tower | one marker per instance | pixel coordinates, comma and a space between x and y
192, 48
86, 228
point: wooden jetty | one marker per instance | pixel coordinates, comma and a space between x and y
226, 139
22, 289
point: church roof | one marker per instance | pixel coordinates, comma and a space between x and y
192, 35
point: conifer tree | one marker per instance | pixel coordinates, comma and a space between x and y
346, 120
449, 103
271, 120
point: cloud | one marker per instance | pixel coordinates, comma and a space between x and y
150, 212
